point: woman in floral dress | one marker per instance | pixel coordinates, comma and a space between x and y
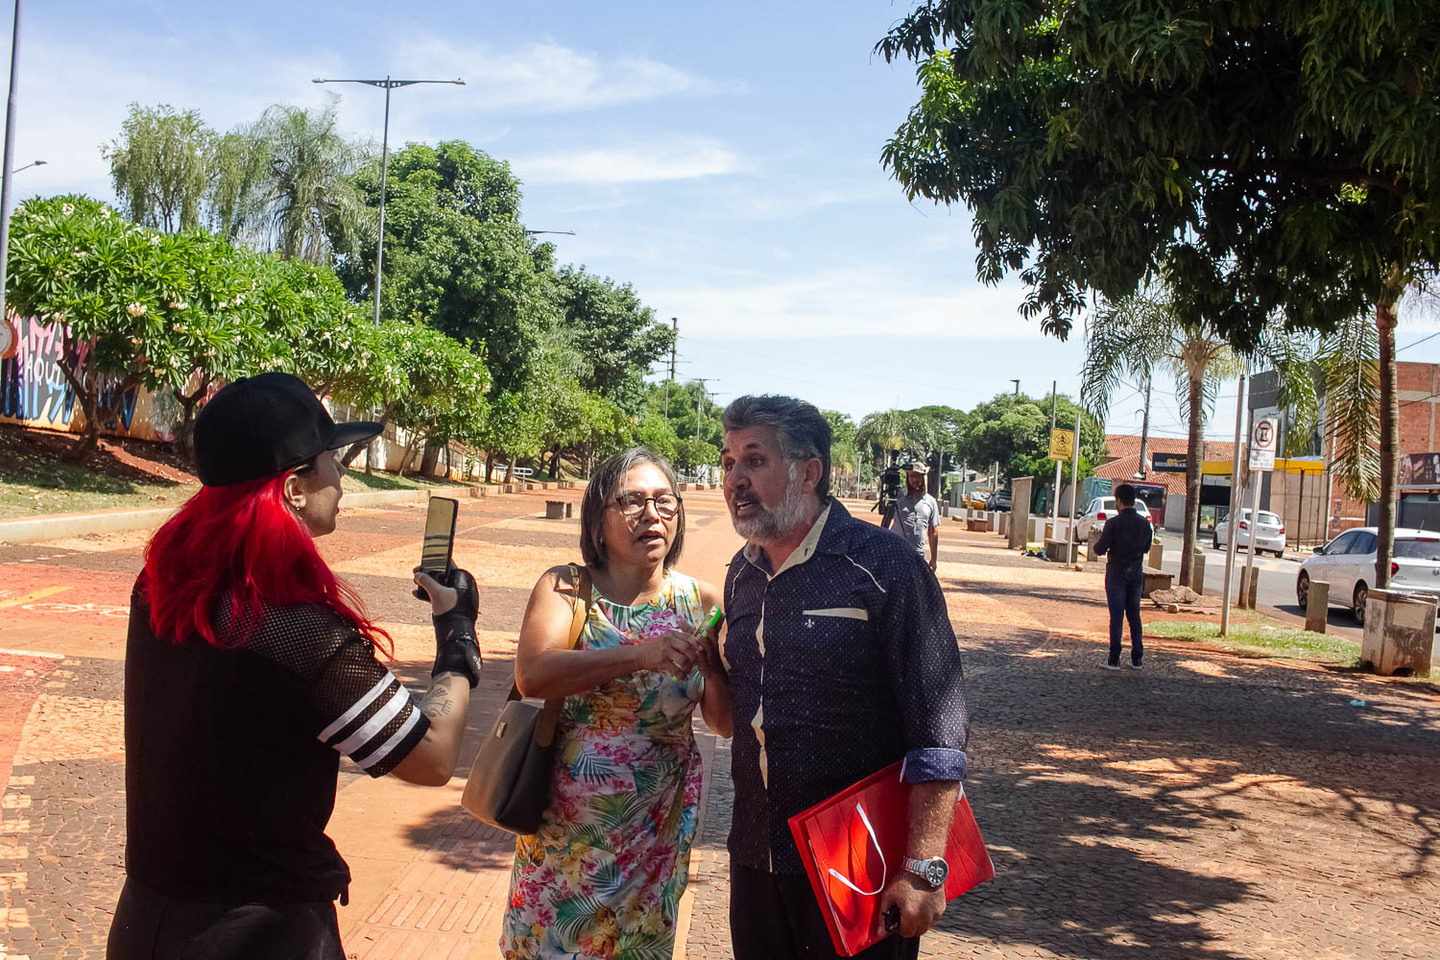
604, 874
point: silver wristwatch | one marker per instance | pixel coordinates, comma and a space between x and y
932, 871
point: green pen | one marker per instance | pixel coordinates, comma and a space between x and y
712, 621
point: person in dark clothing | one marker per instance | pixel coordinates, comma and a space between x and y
249, 671
841, 660
1126, 538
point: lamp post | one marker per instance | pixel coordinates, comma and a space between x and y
9, 156
32, 163
531, 233
387, 85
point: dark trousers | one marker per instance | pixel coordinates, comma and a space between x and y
1122, 594
774, 916
152, 926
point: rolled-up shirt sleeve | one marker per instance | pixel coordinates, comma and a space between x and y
926, 673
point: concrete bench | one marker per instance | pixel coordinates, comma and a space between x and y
1156, 580
977, 525
1061, 550
558, 509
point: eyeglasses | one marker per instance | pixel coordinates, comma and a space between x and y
632, 506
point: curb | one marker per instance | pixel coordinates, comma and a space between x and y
116, 521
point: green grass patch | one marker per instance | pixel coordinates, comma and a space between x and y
76, 490
1261, 640
357, 482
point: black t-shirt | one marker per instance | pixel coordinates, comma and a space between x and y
231, 755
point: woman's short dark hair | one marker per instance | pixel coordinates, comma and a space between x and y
801, 430
604, 488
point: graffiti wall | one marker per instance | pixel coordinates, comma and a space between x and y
34, 391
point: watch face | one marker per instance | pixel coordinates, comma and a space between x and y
936, 871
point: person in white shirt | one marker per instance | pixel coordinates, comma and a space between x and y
916, 516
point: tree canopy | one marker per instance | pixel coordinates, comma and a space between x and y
1270, 157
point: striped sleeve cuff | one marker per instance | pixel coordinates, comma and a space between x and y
929, 764
379, 729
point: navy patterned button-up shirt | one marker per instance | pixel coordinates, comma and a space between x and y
840, 663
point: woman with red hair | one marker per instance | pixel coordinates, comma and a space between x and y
249, 670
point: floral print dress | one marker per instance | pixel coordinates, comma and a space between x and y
604, 875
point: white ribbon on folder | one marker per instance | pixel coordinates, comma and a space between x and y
860, 809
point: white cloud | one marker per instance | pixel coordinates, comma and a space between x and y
849, 303
550, 77
677, 159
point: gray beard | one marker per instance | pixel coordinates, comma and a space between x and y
770, 525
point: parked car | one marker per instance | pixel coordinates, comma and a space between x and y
999, 500
1347, 563
1268, 530
1100, 510
975, 500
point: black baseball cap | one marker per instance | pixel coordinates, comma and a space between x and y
262, 426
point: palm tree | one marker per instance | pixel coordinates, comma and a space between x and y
306, 195
1142, 334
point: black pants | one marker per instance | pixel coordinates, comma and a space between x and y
774, 916
152, 926
1122, 594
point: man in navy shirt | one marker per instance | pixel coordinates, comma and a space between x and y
841, 661
1127, 538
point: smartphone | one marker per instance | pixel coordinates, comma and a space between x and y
439, 541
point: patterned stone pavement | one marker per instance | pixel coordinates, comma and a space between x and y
1208, 806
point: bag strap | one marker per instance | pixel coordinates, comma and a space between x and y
579, 614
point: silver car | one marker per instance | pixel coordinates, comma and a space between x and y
1268, 530
1100, 510
1347, 563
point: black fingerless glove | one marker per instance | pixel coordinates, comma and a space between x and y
457, 650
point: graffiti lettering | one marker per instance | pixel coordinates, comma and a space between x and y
34, 391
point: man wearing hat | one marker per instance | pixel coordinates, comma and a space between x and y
916, 516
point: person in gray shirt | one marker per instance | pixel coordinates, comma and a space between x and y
916, 516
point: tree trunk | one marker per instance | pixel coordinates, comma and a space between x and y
510, 470
1194, 449
355, 448
85, 396
1389, 427
489, 466
185, 430
555, 463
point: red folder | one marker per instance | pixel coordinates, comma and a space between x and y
854, 843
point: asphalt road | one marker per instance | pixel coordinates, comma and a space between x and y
1276, 579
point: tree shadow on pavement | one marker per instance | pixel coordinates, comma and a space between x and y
1194, 808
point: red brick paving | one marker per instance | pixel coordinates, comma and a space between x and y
1209, 806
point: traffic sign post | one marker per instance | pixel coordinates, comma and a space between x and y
1264, 436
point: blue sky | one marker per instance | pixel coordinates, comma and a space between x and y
724, 159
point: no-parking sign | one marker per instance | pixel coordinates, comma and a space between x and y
1263, 440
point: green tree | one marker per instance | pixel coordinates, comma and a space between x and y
613, 332
163, 167
304, 204
1013, 430
844, 451
1270, 161
456, 257
137, 307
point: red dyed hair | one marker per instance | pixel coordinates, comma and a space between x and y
244, 539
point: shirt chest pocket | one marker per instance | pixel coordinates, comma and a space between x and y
829, 644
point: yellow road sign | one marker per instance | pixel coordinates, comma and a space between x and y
1062, 444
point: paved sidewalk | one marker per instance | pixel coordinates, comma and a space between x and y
1208, 806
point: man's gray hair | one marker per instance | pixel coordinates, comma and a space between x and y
801, 430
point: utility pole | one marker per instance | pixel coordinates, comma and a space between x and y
1234, 503
1145, 432
1055, 493
1017, 386
674, 344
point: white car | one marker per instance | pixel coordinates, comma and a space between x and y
1347, 563
1268, 529
1100, 510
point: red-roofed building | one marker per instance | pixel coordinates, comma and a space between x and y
1122, 461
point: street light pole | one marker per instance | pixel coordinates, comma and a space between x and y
9, 157
387, 85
